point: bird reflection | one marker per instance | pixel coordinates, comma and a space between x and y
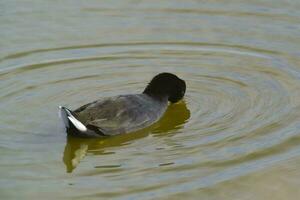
76, 148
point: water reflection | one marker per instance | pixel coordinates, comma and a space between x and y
76, 148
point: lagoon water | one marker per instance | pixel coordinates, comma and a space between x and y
236, 135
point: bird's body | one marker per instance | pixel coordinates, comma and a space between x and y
119, 114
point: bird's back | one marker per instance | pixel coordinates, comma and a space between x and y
121, 114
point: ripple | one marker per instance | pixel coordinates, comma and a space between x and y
237, 116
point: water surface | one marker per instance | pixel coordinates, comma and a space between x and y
234, 136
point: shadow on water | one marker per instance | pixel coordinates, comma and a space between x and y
76, 148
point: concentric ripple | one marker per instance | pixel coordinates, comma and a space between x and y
240, 115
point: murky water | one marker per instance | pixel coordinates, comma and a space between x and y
235, 135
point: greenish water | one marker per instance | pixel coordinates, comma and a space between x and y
235, 135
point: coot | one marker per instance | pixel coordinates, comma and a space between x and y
124, 113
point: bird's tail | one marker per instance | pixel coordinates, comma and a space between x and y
70, 120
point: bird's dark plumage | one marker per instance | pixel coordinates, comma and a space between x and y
124, 113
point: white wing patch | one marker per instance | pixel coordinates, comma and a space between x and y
67, 116
77, 124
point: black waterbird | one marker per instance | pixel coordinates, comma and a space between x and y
124, 113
